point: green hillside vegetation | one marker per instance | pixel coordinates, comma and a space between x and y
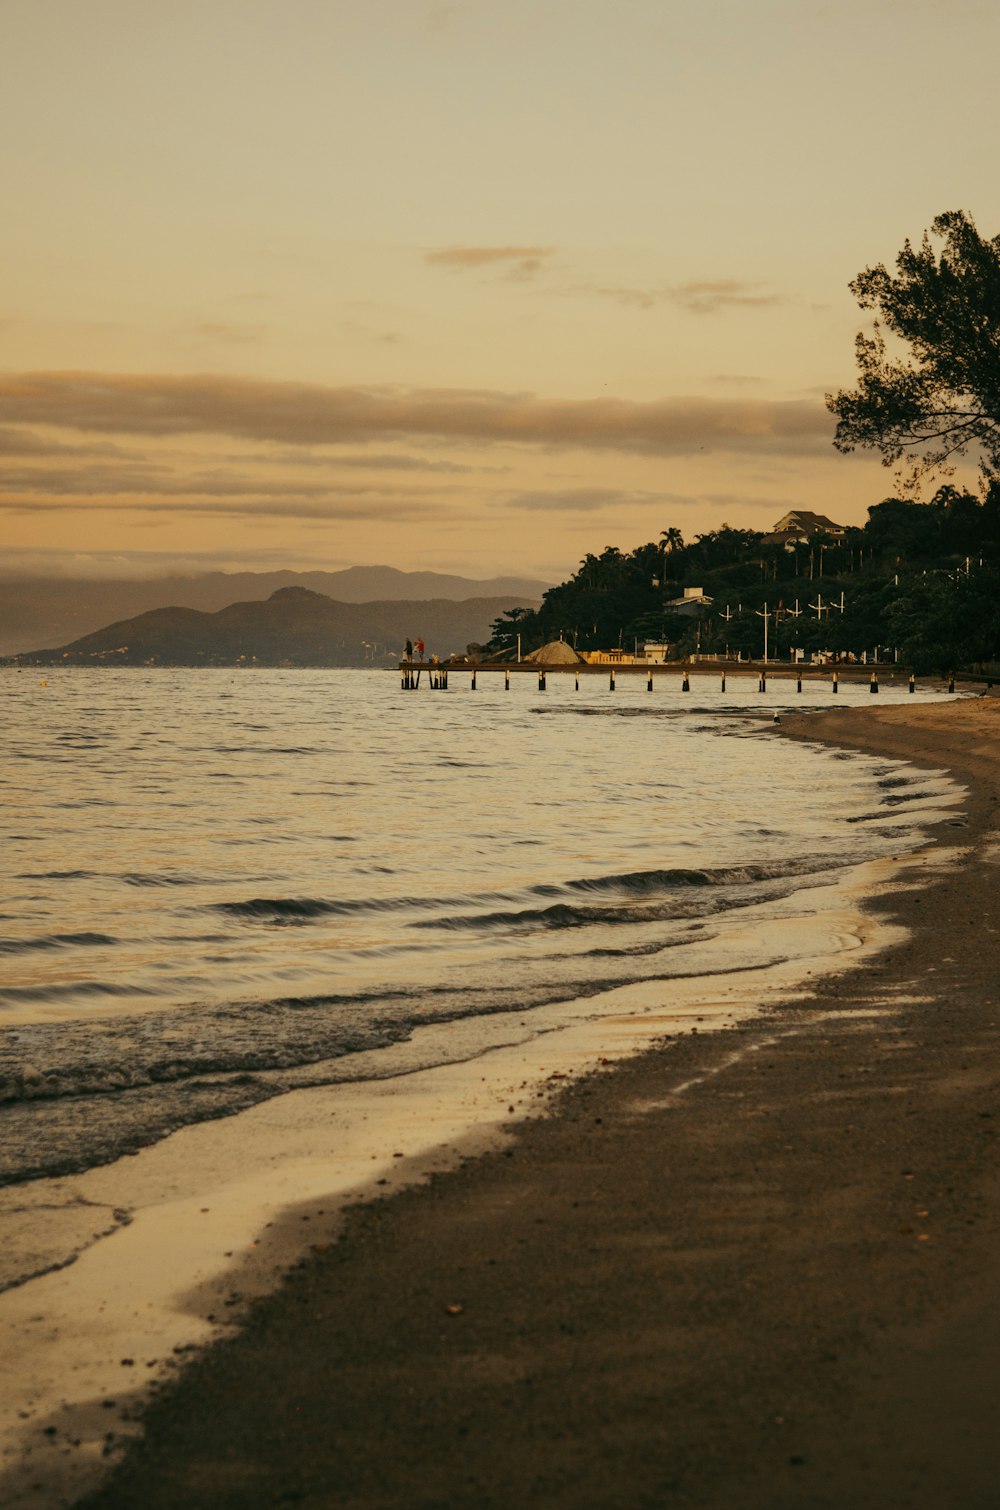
920, 578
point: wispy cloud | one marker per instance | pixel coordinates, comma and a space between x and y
736, 380
140, 481
228, 332
590, 500
308, 414
517, 262
30, 561
289, 505
706, 297
580, 500
382, 461
632, 298
16, 441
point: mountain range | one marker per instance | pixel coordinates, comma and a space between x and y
293, 627
36, 611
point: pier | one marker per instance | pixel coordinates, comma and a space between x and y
673, 675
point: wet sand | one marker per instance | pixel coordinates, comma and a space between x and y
751, 1268
116, 1277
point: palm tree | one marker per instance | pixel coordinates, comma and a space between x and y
672, 540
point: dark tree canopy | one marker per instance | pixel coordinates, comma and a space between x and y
942, 399
923, 577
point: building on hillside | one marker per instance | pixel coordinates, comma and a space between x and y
694, 602
799, 526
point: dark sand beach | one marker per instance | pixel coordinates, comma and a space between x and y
756, 1268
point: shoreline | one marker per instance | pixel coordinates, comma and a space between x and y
207, 1222
642, 1101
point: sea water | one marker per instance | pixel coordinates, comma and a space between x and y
220, 886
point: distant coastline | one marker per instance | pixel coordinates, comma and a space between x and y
45, 611
295, 626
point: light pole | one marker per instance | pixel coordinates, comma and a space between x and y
765, 616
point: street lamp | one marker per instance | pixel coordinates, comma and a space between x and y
765, 615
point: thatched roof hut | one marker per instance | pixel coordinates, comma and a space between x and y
555, 653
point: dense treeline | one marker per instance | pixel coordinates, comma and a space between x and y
920, 578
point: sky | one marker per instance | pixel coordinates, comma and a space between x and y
476, 286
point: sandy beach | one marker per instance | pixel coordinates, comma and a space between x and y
751, 1267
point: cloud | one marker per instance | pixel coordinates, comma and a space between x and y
228, 332
737, 380
519, 262
581, 500
152, 481
281, 507
632, 298
366, 461
148, 480
707, 297
309, 414
151, 489
21, 562
17, 442
734, 501
382, 461
588, 500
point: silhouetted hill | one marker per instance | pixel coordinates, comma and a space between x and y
54, 611
294, 626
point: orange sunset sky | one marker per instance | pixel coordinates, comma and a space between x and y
475, 287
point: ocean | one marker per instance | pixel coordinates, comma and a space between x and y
222, 886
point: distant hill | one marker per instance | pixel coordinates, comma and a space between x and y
294, 626
54, 611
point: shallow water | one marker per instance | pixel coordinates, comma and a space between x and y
220, 885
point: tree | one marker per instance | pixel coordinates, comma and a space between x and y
505, 630
901, 529
947, 620
943, 399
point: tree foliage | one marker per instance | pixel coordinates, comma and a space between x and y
920, 576
944, 620
942, 398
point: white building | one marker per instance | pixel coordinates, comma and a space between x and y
694, 601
